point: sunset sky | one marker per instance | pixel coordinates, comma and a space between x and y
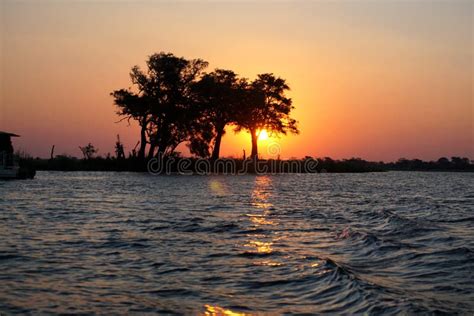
378, 80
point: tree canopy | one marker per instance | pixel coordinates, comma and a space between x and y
219, 95
266, 107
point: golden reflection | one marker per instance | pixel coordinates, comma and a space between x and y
219, 311
260, 219
261, 243
260, 192
261, 205
260, 246
267, 263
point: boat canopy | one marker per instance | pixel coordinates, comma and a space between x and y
6, 143
8, 134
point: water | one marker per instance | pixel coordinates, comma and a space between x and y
336, 243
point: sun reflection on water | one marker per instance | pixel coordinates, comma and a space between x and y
261, 243
261, 247
268, 263
219, 311
260, 219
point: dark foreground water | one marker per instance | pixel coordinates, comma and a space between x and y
337, 243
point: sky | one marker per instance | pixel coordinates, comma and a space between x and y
378, 80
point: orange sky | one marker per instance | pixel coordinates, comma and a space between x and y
377, 80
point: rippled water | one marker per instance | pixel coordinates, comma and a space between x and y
337, 243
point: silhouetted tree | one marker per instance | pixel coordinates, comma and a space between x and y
168, 83
218, 95
164, 103
88, 151
267, 108
460, 163
134, 106
443, 162
119, 151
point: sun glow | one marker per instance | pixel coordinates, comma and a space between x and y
263, 135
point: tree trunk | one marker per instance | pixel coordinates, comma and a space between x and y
254, 154
161, 152
151, 152
162, 146
217, 144
141, 151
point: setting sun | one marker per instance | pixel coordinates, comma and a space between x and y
263, 135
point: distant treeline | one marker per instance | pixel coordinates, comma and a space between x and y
444, 164
229, 165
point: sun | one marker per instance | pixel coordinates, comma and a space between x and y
263, 135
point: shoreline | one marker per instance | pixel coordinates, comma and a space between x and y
181, 165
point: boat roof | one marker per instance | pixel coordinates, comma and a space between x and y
8, 134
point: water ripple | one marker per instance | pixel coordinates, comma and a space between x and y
119, 243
